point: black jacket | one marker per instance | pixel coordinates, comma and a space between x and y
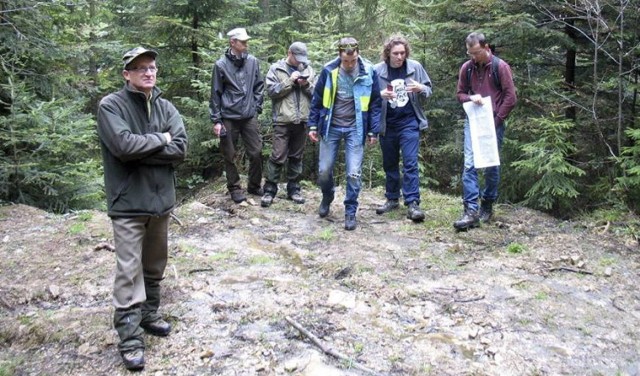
236, 88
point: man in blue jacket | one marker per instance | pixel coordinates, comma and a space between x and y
142, 137
345, 106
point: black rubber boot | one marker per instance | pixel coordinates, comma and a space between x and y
131, 346
486, 211
388, 206
414, 212
470, 219
152, 322
325, 205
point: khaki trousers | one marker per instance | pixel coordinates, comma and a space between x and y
141, 253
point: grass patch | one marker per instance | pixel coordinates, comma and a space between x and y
77, 228
85, 216
541, 295
187, 248
607, 261
327, 234
260, 260
8, 368
516, 248
222, 256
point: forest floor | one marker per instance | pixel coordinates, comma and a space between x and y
525, 295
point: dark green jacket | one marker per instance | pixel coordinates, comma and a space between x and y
138, 163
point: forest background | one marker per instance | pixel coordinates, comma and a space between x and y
572, 144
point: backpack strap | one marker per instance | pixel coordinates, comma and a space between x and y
495, 73
469, 72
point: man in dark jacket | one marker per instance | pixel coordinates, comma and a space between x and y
142, 137
236, 100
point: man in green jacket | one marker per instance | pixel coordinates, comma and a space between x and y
142, 137
290, 87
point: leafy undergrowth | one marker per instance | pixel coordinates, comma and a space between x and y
525, 295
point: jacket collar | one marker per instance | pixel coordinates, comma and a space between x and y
384, 71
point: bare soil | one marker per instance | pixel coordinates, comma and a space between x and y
525, 295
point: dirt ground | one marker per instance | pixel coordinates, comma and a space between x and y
526, 295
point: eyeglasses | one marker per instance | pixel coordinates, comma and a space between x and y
143, 70
475, 53
347, 46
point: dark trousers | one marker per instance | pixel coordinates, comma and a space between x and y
288, 147
248, 129
401, 140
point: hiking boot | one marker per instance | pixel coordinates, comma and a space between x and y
133, 360
486, 211
256, 191
350, 222
158, 327
296, 197
414, 212
387, 207
266, 200
238, 196
470, 219
325, 205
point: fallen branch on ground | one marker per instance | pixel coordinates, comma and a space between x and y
568, 269
104, 245
474, 299
175, 218
327, 350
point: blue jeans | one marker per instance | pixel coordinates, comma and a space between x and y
405, 140
354, 152
470, 186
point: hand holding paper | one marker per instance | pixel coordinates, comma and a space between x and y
483, 132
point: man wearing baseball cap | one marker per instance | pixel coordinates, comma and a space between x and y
236, 100
290, 85
142, 139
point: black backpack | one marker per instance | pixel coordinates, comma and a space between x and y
495, 72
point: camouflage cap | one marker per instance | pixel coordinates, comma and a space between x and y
131, 55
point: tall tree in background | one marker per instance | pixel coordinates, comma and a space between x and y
577, 59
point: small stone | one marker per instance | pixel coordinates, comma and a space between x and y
255, 221
291, 365
608, 272
575, 259
54, 291
206, 354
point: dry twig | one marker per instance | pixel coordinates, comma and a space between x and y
328, 350
468, 300
568, 269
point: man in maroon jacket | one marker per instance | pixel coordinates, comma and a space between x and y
477, 79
